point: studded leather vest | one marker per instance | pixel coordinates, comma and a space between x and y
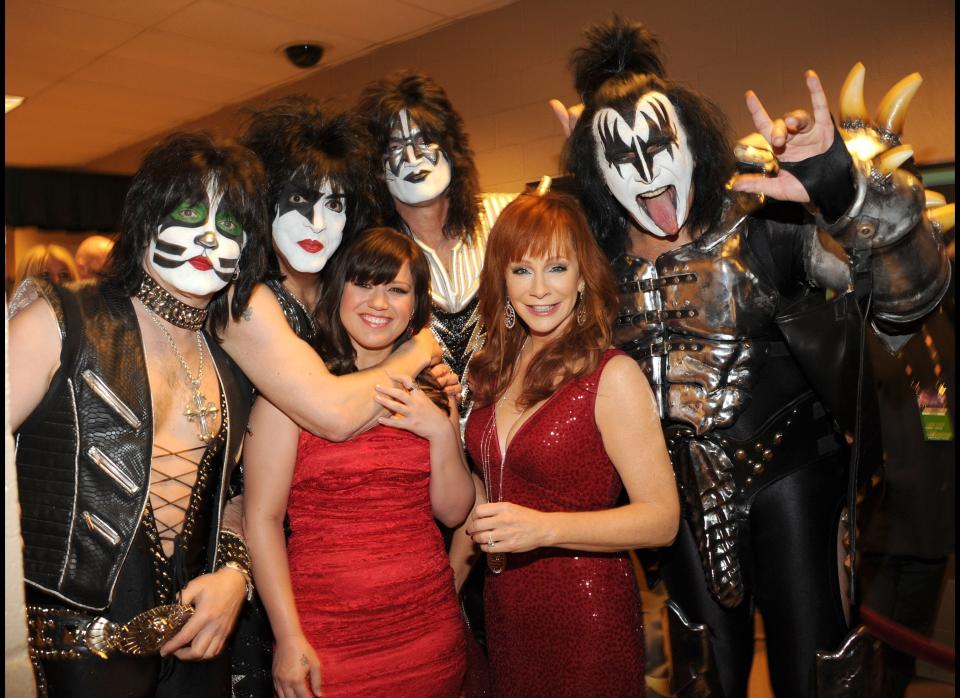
83, 455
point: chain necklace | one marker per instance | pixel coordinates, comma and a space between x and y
497, 562
198, 409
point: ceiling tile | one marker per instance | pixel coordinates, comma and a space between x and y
456, 8
143, 14
247, 29
42, 25
174, 52
373, 21
112, 71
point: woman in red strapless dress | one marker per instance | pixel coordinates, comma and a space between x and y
563, 424
362, 602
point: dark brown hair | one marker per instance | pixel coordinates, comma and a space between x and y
541, 226
375, 257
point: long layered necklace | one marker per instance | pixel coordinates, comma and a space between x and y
159, 302
497, 562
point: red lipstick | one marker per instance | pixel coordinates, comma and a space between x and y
201, 263
311, 246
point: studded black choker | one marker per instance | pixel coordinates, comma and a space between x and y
163, 303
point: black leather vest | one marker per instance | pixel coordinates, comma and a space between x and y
83, 455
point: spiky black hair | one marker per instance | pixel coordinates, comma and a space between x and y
178, 169
430, 107
615, 49
629, 44
294, 135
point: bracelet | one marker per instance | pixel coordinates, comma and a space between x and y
233, 553
248, 583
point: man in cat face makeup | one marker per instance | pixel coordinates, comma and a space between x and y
745, 359
128, 422
431, 191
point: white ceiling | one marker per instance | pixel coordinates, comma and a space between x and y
99, 75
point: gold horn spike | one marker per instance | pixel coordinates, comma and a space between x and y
943, 217
852, 106
893, 106
892, 159
934, 198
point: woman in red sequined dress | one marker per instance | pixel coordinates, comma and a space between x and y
362, 602
561, 426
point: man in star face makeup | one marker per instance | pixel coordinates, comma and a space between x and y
318, 192
157, 410
719, 308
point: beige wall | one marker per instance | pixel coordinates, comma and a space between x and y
500, 68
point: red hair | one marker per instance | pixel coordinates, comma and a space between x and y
541, 226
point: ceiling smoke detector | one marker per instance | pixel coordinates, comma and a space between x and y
303, 54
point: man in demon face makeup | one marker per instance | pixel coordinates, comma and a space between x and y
129, 421
747, 362
647, 164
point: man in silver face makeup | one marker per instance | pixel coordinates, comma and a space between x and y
129, 421
757, 376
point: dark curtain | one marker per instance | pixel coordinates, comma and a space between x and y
60, 200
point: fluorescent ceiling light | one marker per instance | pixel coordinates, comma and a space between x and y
12, 102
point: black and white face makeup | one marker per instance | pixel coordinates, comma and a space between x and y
647, 165
308, 227
197, 246
416, 171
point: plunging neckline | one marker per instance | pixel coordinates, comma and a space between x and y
502, 452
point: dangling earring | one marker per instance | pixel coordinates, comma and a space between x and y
236, 271
581, 309
509, 315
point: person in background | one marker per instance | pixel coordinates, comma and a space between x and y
429, 189
362, 601
554, 433
129, 419
91, 255
50, 262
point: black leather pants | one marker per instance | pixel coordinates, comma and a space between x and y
793, 582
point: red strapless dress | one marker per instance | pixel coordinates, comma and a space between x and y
560, 622
372, 582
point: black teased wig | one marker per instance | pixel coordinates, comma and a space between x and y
620, 63
179, 169
429, 106
293, 135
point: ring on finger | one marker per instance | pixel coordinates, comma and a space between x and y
490, 542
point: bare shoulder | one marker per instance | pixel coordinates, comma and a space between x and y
621, 376
624, 395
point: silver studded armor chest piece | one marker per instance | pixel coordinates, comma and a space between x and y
694, 320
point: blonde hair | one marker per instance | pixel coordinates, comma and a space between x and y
34, 262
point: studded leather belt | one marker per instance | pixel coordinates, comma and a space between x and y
60, 633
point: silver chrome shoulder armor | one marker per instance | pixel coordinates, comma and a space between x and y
887, 220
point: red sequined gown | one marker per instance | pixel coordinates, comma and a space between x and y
372, 583
560, 622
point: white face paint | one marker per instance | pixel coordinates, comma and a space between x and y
648, 166
197, 246
416, 171
308, 227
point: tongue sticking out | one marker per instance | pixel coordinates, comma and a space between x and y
662, 209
